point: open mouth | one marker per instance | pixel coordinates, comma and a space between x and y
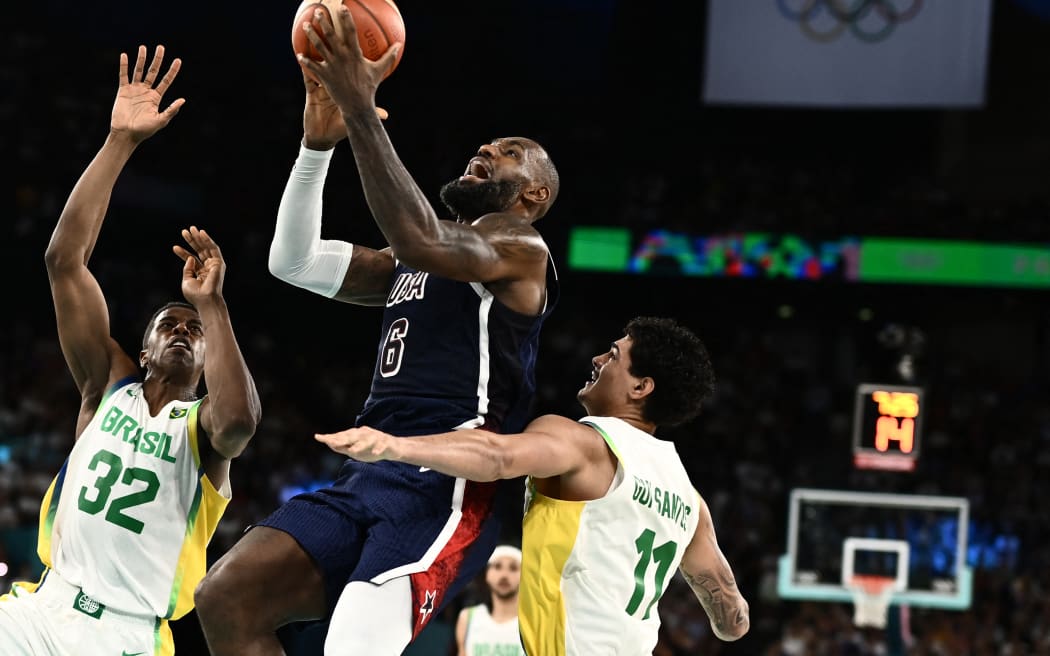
594, 376
477, 169
179, 344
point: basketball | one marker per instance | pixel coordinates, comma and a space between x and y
379, 25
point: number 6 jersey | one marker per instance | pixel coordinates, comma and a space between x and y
593, 571
130, 514
452, 354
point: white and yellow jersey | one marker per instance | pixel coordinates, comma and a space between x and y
129, 516
593, 571
487, 637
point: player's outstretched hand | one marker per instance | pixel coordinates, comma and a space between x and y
350, 78
364, 444
136, 111
203, 269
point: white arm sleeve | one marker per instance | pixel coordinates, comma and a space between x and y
298, 255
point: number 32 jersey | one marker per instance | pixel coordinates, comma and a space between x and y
593, 571
130, 514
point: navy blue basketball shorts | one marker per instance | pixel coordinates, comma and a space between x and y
380, 521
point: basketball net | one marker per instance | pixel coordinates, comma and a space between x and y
871, 600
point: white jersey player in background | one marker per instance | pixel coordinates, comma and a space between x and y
492, 629
610, 509
125, 523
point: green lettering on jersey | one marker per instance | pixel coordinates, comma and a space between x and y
111, 418
148, 443
128, 430
642, 491
127, 424
165, 446
662, 502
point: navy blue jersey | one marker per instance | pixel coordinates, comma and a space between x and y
452, 355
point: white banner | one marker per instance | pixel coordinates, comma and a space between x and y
874, 53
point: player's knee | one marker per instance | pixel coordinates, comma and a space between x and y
204, 597
216, 594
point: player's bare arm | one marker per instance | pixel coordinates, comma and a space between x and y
231, 411
368, 278
481, 252
94, 358
708, 573
496, 248
550, 446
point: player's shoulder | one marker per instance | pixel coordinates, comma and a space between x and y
508, 225
586, 439
555, 423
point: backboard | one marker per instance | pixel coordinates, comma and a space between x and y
919, 541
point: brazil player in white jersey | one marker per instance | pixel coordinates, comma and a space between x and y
125, 523
610, 510
492, 629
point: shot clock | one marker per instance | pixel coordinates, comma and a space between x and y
886, 427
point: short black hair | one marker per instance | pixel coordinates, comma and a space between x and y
157, 313
677, 361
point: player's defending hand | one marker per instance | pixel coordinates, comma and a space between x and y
350, 78
203, 270
136, 111
364, 444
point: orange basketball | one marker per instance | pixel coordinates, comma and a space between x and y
379, 26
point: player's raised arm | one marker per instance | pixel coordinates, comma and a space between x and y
708, 573
93, 357
503, 246
231, 411
298, 256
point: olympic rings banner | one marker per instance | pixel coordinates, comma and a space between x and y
849, 53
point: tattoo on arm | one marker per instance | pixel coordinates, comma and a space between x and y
721, 599
712, 593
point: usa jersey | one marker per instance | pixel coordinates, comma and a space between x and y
451, 355
130, 514
594, 570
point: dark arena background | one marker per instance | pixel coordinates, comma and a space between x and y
861, 228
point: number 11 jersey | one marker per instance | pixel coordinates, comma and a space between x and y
593, 571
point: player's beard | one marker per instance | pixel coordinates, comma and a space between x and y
470, 200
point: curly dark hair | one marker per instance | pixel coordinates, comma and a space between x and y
678, 363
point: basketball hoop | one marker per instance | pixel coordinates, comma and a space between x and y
871, 599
